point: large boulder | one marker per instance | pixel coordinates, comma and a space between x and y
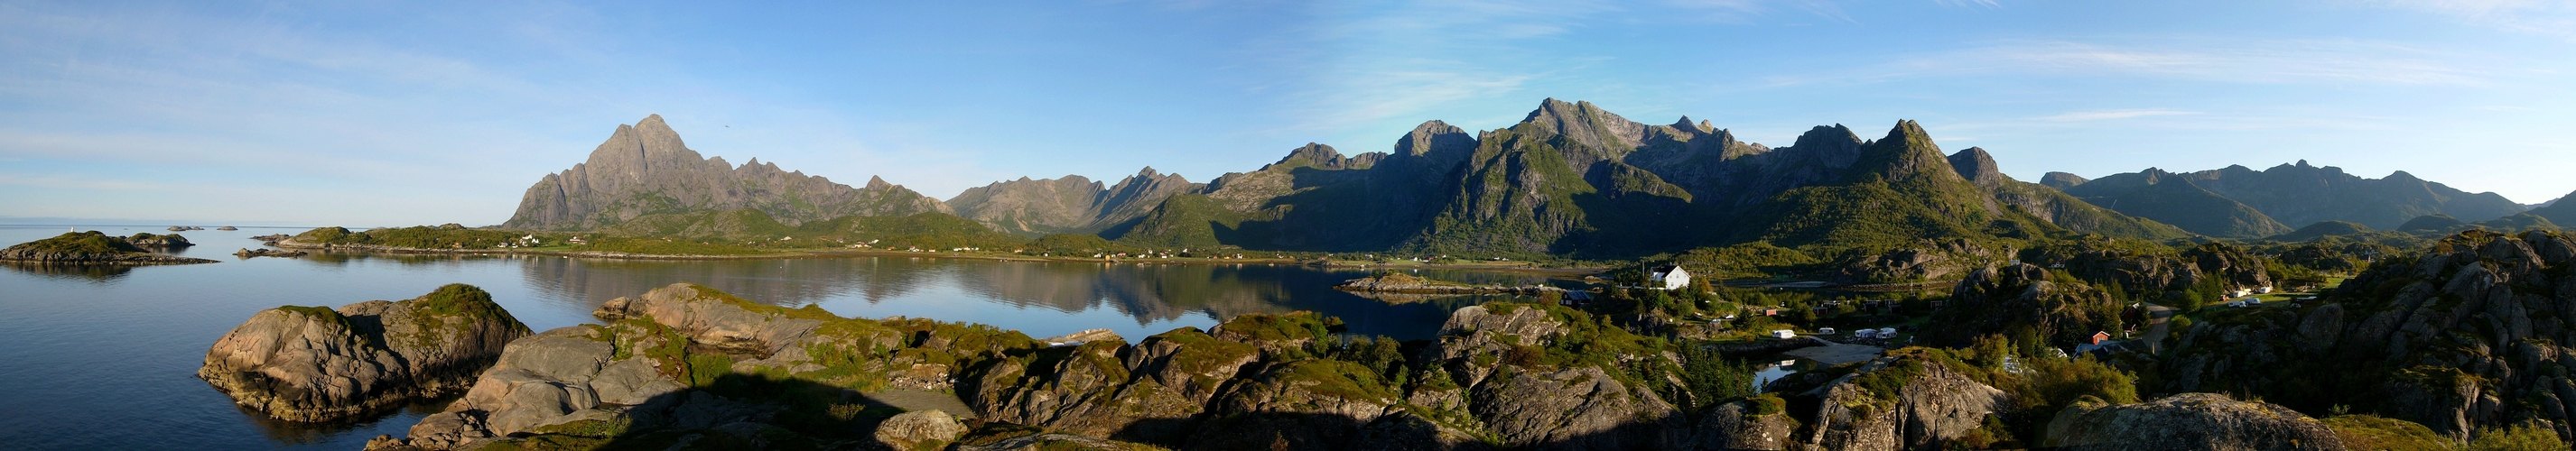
1902, 402
2189, 421
316, 364
687, 361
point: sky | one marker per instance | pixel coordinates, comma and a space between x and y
376, 113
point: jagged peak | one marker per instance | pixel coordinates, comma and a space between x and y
1976, 165
2402, 175
1836, 135
876, 183
1434, 136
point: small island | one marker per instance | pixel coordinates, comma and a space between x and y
1400, 283
93, 247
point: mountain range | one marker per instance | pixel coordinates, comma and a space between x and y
2240, 202
1570, 179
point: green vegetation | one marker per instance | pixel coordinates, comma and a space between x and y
323, 313
90, 242
2373, 432
2532, 436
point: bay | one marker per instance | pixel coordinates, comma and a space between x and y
106, 357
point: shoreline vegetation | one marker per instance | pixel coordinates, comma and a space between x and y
453, 239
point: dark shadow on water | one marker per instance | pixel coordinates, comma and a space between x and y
92, 273
301, 433
708, 417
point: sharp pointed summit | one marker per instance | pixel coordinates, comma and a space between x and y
645, 169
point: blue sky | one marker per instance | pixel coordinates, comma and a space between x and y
387, 113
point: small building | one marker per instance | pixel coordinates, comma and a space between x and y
2240, 292
1575, 299
1887, 332
1825, 331
2099, 337
2266, 289
1668, 278
1784, 333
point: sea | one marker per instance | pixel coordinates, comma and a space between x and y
105, 357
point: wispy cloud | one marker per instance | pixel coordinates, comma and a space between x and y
2553, 18
2231, 61
80, 183
2112, 115
1989, 4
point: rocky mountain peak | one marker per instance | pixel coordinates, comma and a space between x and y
647, 164
1906, 153
1586, 124
1314, 155
2061, 180
1443, 144
876, 183
1976, 165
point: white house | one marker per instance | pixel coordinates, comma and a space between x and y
1673, 278
1784, 333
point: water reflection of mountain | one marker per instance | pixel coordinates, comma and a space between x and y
1152, 293
1148, 293
779, 281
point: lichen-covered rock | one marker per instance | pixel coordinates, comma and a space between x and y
1573, 408
927, 429
2189, 421
318, 364
1741, 425
688, 362
1931, 406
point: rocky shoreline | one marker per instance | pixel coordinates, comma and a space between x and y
256, 253
688, 364
314, 364
1398, 283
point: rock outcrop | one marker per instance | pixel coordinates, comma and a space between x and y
2188, 421
317, 364
266, 252
693, 363
1931, 407
645, 169
159, 241
2467, 334
92, 247
1995, 300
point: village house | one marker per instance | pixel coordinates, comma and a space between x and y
1669, 278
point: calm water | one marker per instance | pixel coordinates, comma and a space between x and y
106, 358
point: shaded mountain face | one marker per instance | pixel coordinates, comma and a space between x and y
644, 169
2299, 194
2558, 211
1573, 179
2172, 199
1073, 204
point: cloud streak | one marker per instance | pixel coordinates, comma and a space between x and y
2252, 62
2112, 115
